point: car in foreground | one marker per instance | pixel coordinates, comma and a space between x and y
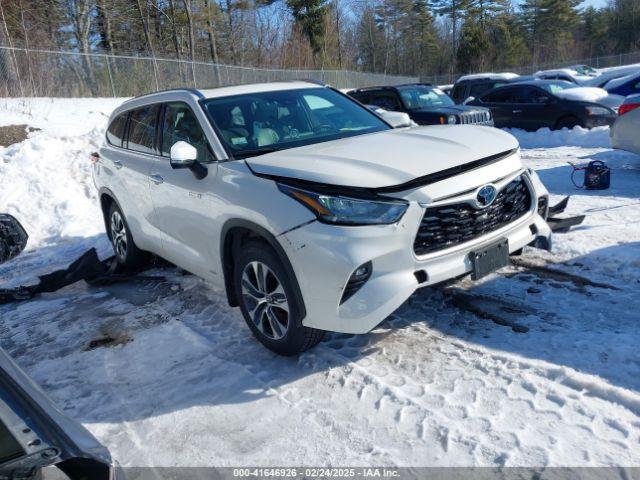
474, 85
34, 434
425, 104
625, 86
625, 131
312, 212
537, 104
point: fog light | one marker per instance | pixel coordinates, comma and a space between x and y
358, 278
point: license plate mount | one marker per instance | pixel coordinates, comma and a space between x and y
489, 259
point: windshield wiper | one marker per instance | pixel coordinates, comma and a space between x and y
255, 152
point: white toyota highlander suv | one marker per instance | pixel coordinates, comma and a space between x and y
313, 212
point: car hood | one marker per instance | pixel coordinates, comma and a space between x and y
386, 158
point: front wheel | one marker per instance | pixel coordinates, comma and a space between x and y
268, 303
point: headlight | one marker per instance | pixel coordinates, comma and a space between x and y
598, 111
343, 210
452, 120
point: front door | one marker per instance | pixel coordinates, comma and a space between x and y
185, 205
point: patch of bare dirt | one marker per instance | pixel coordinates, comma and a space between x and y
14, 134
109, 341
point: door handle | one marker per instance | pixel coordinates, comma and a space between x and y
117, 164
157, 179
517, 111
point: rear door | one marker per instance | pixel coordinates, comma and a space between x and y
135, 160
34, 433
500, 101
533, 108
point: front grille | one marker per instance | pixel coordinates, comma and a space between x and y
476, 118
450, 225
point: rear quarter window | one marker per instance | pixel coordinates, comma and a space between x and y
142, 129
115, 132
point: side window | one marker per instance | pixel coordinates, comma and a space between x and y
527, 95
362, 97
115, 132
180, 124
498, 96
458, 92
479, 88
386, 100
142, 129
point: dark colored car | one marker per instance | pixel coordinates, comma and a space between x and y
477, 84
629, 85
542, 103
425, 104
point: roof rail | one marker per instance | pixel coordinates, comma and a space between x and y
194, 91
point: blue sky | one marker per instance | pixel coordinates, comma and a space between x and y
586, 3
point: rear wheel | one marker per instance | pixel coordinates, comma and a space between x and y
128, 255
268, 304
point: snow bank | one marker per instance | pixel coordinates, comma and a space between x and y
45, 181
576, 137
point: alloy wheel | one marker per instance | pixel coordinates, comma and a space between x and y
119, 235
265, 300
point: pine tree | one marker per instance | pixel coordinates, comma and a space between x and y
455, 10
310, 15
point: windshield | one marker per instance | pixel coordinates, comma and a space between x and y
422, 96
555, 87
257, 123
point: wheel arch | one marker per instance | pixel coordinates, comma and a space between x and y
234, 234
107, 198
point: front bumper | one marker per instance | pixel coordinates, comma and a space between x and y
325, 256
599, 121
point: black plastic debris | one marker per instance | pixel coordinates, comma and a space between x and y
88, 268
562, 225
13, 237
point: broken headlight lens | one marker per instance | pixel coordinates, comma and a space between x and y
344, 210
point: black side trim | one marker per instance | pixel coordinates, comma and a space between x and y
448, 173
227, 268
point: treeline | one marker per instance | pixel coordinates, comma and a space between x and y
408, 37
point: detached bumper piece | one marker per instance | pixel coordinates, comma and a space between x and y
88, 268
562, 225
13, 237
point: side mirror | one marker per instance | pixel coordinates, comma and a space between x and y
183, 155
468, 100
396, 119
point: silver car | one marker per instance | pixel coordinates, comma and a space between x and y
624, 132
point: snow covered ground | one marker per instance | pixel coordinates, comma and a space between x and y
536, 365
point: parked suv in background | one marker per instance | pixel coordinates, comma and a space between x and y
309, 209
476, 84
544, 103
425, 104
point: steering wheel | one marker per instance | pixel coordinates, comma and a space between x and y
324, 127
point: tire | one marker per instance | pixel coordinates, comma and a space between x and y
265, 294
568, 122
128, 255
